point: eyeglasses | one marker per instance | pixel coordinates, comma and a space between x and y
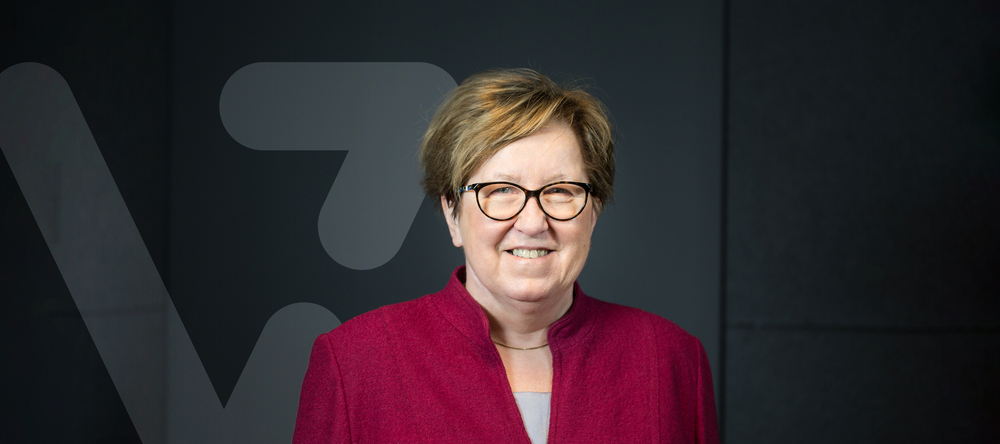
504, 200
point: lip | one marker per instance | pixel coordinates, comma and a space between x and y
528, 247
524, 247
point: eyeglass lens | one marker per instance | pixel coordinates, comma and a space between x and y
560, 200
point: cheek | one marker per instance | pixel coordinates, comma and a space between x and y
582, 238
485, 234
472, 229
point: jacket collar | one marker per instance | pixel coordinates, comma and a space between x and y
463, 312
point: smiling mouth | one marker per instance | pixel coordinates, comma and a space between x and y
528, 254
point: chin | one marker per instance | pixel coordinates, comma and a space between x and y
528, 291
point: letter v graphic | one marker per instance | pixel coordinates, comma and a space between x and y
119, 293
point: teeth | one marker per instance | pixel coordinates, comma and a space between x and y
529, 254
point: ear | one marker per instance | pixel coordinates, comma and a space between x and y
450, 210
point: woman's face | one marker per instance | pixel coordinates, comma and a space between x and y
498, 253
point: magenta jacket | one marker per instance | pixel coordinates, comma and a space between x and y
426, 371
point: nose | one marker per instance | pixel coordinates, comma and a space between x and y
532, 220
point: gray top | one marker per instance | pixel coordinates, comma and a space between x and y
534, 409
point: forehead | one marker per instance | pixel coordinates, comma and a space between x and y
550, 154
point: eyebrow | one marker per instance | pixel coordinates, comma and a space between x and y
510, 178
505, 177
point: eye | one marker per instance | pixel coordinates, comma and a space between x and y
558, 190
501, 190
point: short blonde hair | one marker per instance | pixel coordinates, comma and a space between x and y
493, 109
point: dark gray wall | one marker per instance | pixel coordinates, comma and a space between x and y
53, 383
863, 228
243, 222
861, 178
233, 234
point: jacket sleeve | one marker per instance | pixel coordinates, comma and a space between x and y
708, 426
322, 415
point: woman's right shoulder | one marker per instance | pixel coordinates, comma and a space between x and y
374, 328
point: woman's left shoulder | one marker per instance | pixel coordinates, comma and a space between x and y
624, 319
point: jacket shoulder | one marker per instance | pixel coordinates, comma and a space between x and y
371, 330
624, 318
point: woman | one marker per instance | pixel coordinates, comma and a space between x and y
511, 350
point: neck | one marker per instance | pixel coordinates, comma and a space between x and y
518, 323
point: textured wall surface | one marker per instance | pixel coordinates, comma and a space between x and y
114, 56
233, 231
243, 222
863, 229
862, 174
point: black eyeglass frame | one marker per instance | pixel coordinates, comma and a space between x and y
528, 194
